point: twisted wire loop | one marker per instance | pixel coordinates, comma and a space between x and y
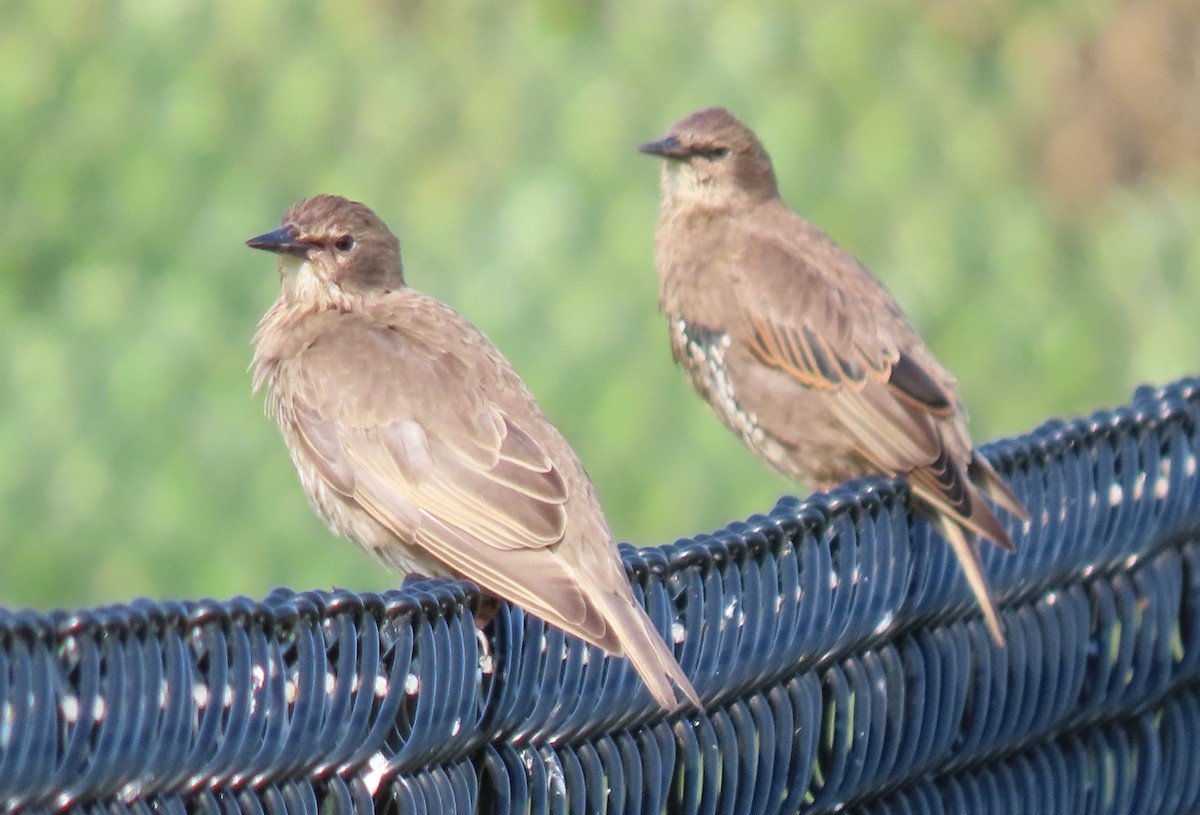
841, 657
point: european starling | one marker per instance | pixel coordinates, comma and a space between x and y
414, 437
800, 350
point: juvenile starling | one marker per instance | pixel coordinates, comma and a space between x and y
415, 438
800, 350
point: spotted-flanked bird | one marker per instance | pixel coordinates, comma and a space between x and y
800, 350
415, 438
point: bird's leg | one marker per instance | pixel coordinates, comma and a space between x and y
486, 611
489, 607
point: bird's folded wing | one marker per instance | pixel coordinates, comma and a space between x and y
839, 334
398, 411
494, 525
505, 492
826, 321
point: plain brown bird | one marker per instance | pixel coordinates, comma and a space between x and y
415, 438
800, 350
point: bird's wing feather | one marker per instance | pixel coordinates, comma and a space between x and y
821, 319
486, 500
511, 504
433, 435
434, 441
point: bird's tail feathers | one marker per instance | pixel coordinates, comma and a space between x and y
967, 553
983, 521
980, 471
973, 513
645, 648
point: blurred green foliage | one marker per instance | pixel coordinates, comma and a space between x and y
141, 142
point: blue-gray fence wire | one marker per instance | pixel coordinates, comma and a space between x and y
842, 660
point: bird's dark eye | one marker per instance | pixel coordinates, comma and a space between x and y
344, 244
714, 153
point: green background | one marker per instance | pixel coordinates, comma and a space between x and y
1023, 176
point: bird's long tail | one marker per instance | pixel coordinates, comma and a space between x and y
964, 545
645, 648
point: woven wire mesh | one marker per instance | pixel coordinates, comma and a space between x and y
837, 647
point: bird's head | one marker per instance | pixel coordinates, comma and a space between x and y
713, 160
331, 249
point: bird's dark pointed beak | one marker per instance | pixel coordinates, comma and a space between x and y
667, 148
281, 241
